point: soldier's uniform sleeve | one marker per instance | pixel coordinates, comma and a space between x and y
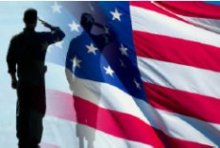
11, 56
54, 36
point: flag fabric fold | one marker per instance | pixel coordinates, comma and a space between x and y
155, 84
147, 75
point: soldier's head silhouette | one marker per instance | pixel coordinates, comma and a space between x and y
30, 18
87, 21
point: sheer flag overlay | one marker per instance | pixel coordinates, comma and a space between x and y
155, 84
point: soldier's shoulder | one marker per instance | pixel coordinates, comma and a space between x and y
17, 36
43, 32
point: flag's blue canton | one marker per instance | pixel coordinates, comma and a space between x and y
213, 2
117, 63
128, 74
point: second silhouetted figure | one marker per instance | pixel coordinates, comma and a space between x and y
26, 65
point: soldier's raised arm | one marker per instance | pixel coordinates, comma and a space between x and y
54, 36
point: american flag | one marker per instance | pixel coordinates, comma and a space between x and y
154, 85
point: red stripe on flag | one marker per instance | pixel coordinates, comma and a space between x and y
186, 103
177, 50
193, 9
150, 6
115, 123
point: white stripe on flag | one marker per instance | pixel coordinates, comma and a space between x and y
180, 77
150, 21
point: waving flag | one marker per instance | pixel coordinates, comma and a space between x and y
155, 84
177, 53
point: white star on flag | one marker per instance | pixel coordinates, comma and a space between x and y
76, 62
91, 48
123, 50
74, 26
108, 71
116, 15
56, 8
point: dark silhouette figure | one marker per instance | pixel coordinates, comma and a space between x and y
26, 65
84, 114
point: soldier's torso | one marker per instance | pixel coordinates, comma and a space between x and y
31, 50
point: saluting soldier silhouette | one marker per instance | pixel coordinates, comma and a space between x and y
83, 114
26, 65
